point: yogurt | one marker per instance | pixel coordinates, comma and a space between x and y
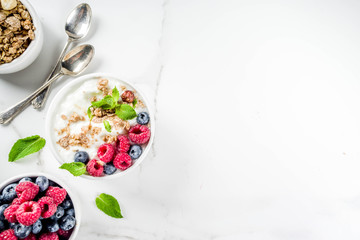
70, 118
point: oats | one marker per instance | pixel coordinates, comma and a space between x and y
8, 4
16, 30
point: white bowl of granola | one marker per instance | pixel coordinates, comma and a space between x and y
101, 121
21, 38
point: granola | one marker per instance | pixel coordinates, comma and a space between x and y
16, 30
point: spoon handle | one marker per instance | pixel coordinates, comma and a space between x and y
9, 114
39, 101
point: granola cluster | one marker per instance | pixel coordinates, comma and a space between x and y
16, 30
83, 139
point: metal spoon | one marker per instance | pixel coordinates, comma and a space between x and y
73, 64
76, 27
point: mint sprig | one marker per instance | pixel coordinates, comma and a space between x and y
115, 94
109, 205
107, 126
75, 168
89, 113
26, 146
123, 111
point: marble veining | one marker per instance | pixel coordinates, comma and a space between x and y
257, 117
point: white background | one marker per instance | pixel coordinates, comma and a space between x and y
257, 117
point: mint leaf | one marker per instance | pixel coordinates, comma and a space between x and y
125, 112
26, 146
109, 205
115, 94
134, 102
106, 103
90, 115
75, 168
107, 126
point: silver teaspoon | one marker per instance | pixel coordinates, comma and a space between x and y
76, 27
74, 62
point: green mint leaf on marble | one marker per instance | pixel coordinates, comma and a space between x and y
115, 94
125, 112
75, 168
26, 146
134, 102
109, 205
107, 126
106, 103
89, 113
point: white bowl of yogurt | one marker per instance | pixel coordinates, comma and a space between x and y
74, 125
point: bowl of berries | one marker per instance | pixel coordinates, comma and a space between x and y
37, 206
99, 126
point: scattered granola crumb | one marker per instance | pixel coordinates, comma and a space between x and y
102, 84
63, 117
109, 138
141, 104
64, 142
76, 117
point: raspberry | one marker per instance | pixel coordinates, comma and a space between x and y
17, 201
56, 193
27, 191
48, 207
49, 236
123, 144
128, 96
30, 237
8, 235
10, 213
122, 161
94, 168
63, 233
139, 134
28, 213
106, 152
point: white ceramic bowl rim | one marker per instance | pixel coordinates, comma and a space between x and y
31, 49
49, 129
73, 197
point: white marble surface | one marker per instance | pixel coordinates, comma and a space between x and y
258, 117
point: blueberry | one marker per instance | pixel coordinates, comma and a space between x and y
58, 214
12, 225
37, 227
135, 151
66, 204
42, 182
143, 118
9, 192
70, 212
81, 156
1, 199
2, 210
25, 179
3, 225
109, 169
67, 223
22, 231
52, 225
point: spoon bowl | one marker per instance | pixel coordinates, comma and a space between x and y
78, 22
77, 60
